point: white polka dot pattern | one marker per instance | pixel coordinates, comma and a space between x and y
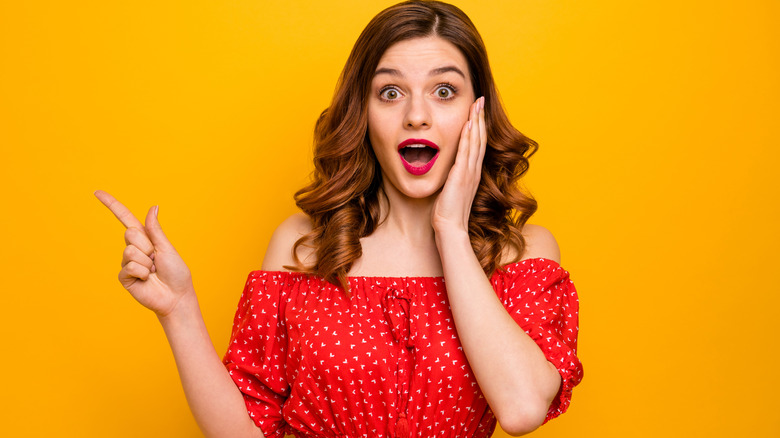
386, 362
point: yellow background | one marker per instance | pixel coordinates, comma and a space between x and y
657, 172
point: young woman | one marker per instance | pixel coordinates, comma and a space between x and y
409, 298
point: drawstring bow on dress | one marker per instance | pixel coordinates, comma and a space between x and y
396, 306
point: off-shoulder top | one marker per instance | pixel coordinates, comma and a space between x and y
386, 361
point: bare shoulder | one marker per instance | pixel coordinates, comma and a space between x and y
279, 252
539, 242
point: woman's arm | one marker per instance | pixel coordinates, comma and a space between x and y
214, 399
157, 277
513, 373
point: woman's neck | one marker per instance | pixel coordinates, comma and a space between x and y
407, 218
403, 245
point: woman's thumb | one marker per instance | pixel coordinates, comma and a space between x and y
154, 230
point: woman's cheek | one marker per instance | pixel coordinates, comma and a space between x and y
449, 159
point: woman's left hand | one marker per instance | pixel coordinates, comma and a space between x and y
452, 208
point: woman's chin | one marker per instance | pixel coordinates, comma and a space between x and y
422, 194
419, 189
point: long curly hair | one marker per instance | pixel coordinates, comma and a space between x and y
342, 199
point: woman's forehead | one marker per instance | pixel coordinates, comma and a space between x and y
422, 56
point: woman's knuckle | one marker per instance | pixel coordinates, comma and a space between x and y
136, 269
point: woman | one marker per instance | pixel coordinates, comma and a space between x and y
348, 329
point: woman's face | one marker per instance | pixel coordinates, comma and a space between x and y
419, 102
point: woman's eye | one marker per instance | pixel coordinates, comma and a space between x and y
444, 92
389, 94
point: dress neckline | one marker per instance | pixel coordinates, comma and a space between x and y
421, 278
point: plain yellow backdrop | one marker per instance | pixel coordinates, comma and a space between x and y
658, 126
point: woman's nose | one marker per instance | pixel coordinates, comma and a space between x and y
418, 114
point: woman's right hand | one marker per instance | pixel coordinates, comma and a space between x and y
152, 270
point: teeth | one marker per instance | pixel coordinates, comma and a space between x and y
416, 146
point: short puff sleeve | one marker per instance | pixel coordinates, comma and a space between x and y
257, 352
541, 298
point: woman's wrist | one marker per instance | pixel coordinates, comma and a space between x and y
451, 238
449, 228
182, 311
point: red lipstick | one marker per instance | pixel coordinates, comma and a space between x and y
418, 155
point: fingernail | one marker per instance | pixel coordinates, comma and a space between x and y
469, 124
156, 210
482, 102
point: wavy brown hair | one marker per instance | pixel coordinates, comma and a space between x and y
342, 199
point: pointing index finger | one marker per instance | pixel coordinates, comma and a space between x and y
120, 211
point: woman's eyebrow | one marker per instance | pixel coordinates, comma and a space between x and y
434, 72
388, 71
447, 69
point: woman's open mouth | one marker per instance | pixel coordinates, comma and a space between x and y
418, 155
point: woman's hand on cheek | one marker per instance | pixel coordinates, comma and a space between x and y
453, 205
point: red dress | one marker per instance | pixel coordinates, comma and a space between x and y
387, 362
